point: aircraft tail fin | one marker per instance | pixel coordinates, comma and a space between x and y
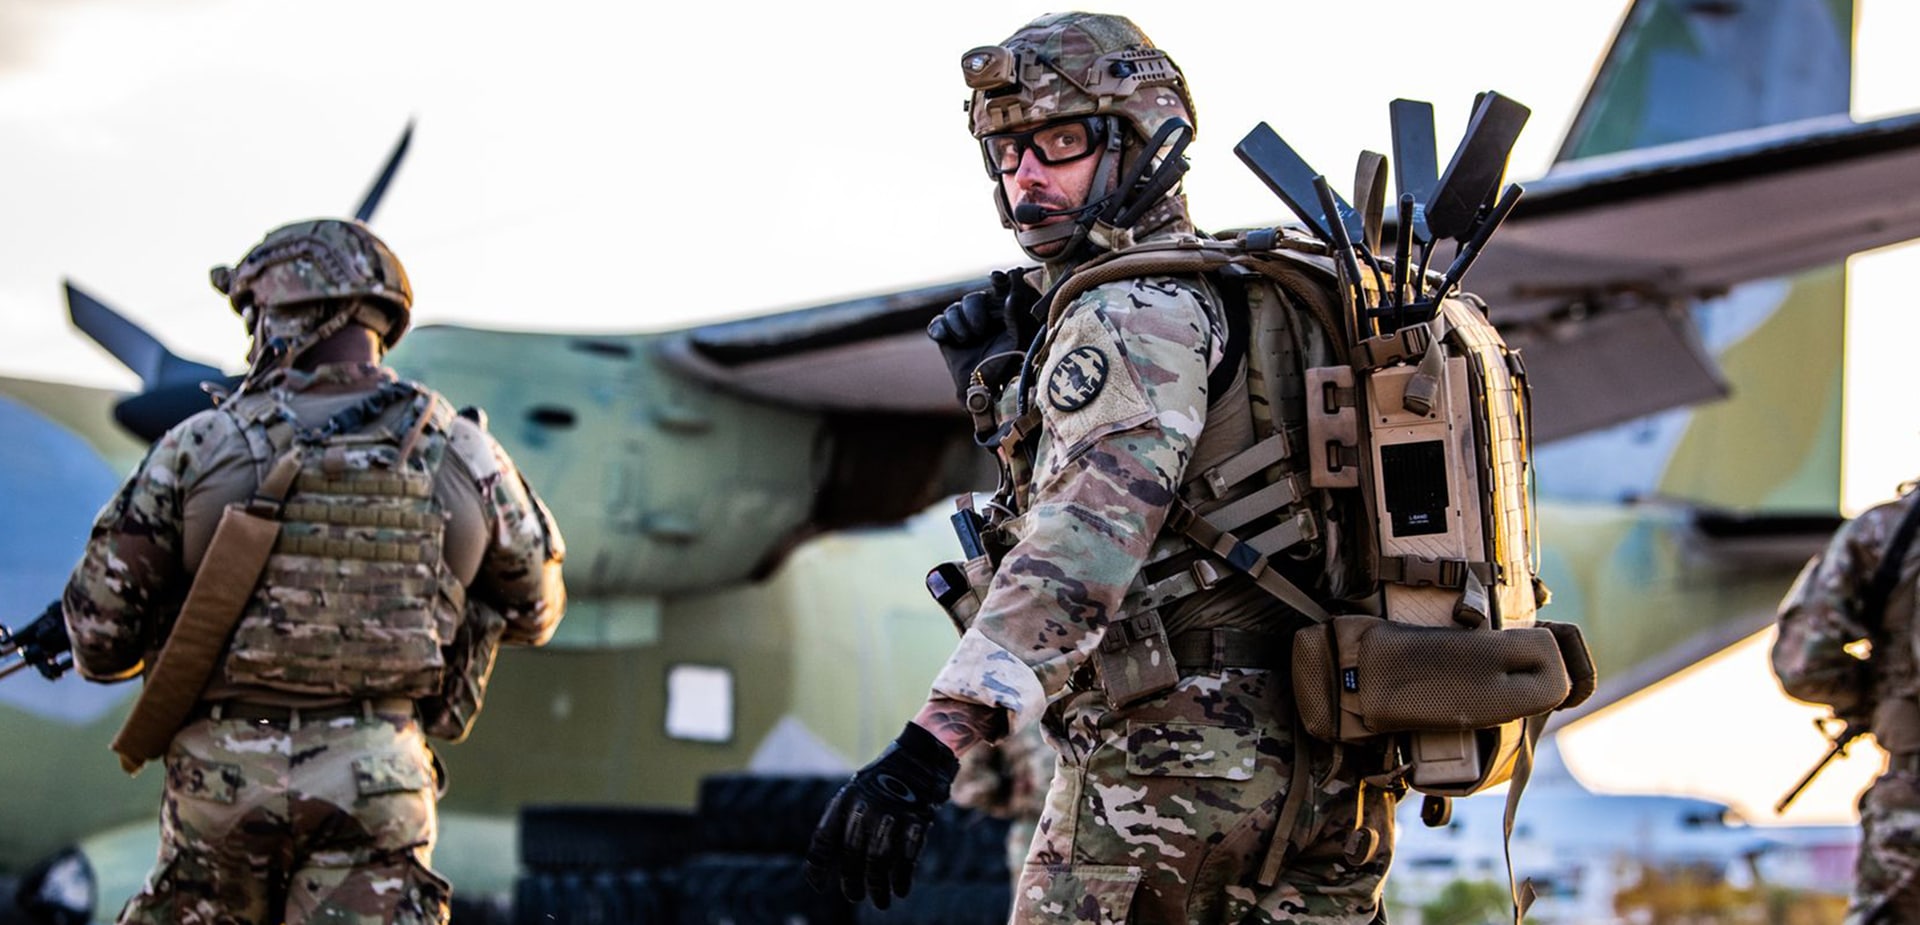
1680, 70
1685, 69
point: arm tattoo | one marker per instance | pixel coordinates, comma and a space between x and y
960, 724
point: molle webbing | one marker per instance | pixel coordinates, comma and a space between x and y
1219, 480
1244, 491
316, 480
356, 600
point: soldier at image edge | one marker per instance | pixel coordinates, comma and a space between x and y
1846, 640
1175, 733
299, 783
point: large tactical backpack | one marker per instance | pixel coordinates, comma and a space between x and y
1391, 438
1424, 428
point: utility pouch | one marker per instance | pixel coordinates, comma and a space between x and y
1358, 676
1135, 660
959, 587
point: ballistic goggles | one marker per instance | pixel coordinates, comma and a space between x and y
1053, 144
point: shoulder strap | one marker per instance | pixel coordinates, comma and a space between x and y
1177, 257
1233, 297
1244, 557
257, 416
1873, 603
431, 412
220, 590
1152, 259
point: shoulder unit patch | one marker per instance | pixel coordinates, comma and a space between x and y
1078, 378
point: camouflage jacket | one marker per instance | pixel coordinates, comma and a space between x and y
148, 541
1123, 398
1821, 627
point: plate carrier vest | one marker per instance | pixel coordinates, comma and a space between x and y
355, 600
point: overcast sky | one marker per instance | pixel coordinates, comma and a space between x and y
604, 166
620, 167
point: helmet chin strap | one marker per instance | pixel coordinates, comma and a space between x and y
270, 355
1150, 188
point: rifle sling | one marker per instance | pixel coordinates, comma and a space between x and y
235, 557
1873, 604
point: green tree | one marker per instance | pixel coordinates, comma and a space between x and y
1469, 902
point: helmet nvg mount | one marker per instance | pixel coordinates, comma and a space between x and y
1088, 65
280, 285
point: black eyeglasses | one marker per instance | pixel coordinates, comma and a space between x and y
1054, 144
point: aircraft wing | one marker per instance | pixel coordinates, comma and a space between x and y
1695, 218
1591, 277
1592, 274
864, 355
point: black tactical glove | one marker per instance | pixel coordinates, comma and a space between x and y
870, 836
44, 644
985, 323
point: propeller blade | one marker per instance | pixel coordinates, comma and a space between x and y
379, 188
129, 343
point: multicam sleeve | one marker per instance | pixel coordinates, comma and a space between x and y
520, 572
1123, 395
1819, 628
131, 580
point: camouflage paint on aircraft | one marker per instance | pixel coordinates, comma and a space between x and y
1681, 71
63, 457
1652, 589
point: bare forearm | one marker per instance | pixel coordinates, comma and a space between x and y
960, 725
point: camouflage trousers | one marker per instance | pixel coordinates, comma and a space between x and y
1161, 814
328, 821
1886, 887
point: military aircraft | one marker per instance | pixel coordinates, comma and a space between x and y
767, 615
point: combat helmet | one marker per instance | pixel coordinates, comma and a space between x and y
1103, 68
285, 285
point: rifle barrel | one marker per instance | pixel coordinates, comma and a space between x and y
1839, 748
10, 669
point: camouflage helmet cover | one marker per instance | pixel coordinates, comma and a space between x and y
1074, 64
315, 260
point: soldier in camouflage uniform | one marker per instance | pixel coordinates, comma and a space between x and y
1819, 657
1176, 748
303, 789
